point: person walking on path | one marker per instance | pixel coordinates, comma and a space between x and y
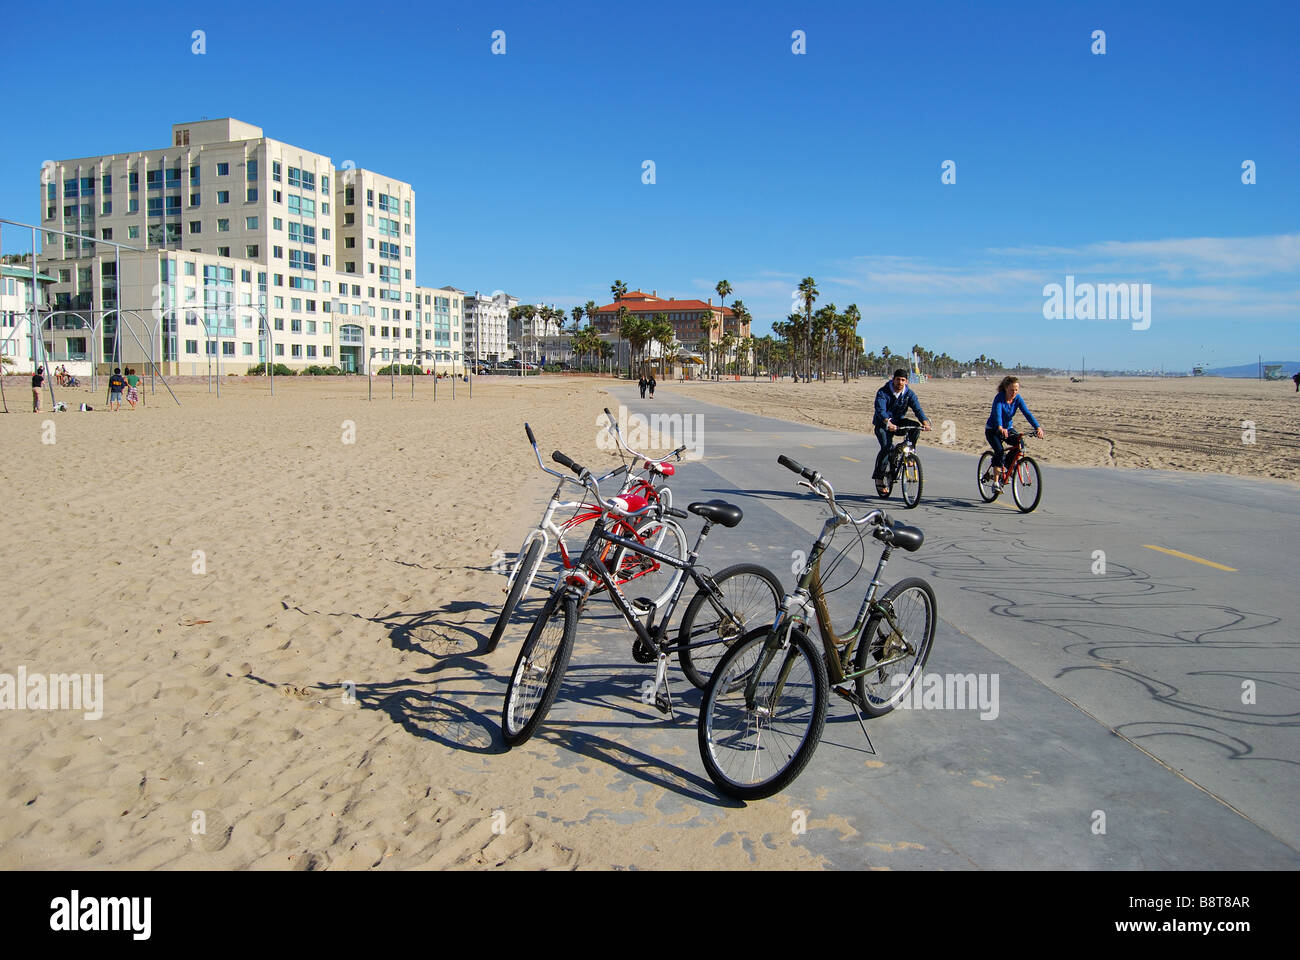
132, 385
651, 383
892, 403
642, 383
38, 380
116, 384
1296, 378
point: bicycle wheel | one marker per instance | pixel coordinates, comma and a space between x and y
751, 754
984, 477
536, 678
904, 650
523, 574
1027, 484
749, 594
912, 480
642, 576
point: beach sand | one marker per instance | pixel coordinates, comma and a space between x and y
324, 563
227, 564
1190, 423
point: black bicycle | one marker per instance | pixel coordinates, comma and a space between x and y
738, 598
904, 466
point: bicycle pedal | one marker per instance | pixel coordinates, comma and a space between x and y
663, 704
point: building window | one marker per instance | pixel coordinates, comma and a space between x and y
191, 346
251, 195
248, 349
250, 170
190, 270
279, 349
107, 208
196, 226
250, 223
223, 225
106, 233
182, 138
277, 252
133, 205
227, 349
223, 196
350, 242
250, 252
349, 198
311, 350
133, 233
194, 199
223, 251
223, 169
275, 196
194, 174
277, 223
275, 170
295, 350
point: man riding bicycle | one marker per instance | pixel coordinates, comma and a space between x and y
1005, 404
892, 403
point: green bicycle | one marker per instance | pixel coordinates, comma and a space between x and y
765, 705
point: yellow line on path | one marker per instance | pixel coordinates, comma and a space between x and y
1188, 556
807, 446
850, 460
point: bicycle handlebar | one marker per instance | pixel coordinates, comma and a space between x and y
564, 461
797, 467
529, 430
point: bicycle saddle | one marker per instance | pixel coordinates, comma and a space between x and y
717, 511
658, 466
899, 534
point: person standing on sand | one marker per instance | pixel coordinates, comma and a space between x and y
1296, 378
132, 384
116, 384
38, 380
651, 384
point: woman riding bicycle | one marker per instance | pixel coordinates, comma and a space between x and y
1005, 404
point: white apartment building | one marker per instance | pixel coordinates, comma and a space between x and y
327, 255
487, 326
15, 307
440, 328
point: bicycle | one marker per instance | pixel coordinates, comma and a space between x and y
1026, 478
765, 705
535, 679
905, 466
540, 541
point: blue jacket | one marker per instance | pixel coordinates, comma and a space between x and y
887, 407
1002, 412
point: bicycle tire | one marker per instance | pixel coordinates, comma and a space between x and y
751, 592
878, 691
1027, 492
724, 717
984, 477
911, 497
546, 650
524, 572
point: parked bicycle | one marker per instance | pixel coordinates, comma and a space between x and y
749, 597
659, 533
1025, 478
904, 466
765, 705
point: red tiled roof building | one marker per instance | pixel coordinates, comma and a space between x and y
686, 316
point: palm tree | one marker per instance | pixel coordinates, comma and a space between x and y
724, 290
707, 324
637, 331
661, 332
621, 318
619, 289
808, 287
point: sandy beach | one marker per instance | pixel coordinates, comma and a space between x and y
230, 565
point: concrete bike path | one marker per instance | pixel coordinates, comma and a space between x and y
1120, 693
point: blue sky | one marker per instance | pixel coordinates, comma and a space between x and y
769, 166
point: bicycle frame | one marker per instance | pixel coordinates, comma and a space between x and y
809, 597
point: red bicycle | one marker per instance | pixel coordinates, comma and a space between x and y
1026, 478
655, 530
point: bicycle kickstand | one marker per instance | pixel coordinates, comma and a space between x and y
663, 701
857, 713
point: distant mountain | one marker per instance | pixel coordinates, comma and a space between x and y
1251, 370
